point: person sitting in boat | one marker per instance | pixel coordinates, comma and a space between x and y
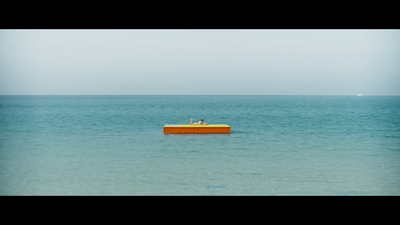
199, 123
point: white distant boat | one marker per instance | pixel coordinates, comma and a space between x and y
359, 95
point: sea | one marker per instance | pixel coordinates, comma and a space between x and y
279, 145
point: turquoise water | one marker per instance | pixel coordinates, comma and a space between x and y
279, 145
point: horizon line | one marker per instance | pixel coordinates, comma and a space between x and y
199, 95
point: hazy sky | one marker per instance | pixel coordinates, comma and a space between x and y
187, 62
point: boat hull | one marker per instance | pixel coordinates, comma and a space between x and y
197, 129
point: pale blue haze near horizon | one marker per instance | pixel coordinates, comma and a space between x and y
199, 62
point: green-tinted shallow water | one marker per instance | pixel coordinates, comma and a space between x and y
279, 145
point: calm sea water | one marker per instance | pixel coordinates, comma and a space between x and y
279, 145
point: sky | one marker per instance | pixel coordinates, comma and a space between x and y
199, 62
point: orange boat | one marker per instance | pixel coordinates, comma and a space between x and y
184, 128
